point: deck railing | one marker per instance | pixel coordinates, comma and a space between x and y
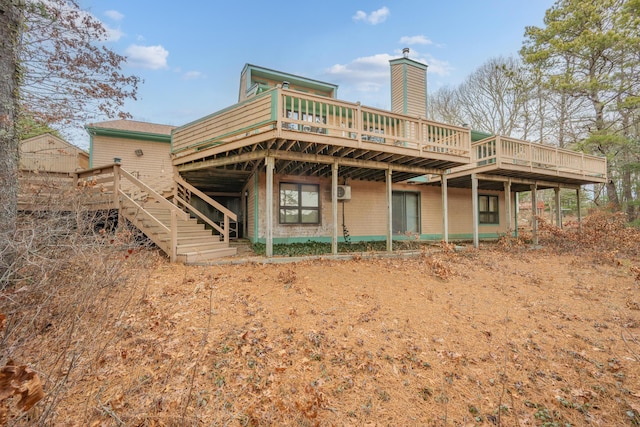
501, 150
284, 111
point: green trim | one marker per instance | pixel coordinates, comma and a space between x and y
461, 236
256, 206
423, 237
90, 151
128, 134
409, 61
321, 239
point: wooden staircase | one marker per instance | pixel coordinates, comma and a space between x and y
168, 222
195, 243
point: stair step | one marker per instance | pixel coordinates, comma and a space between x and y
193, 257
200, 247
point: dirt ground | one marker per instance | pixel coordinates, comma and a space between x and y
507, 336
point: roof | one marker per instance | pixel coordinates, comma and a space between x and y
131, 129
52, 138
134, 126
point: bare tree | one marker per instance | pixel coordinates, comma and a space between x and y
495, 98
52, 69
68, 75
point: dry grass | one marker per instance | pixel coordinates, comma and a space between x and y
504, 335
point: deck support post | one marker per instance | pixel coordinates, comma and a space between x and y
474, 208
507, 206
558, 209
534, 213
174, 236
579, 209
116, 196
269, 161
334, 208
389, 210
445, 209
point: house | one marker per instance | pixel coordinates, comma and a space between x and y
290, 162
52, 154
45, 164
143, 149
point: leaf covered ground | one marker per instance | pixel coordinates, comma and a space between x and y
506, 335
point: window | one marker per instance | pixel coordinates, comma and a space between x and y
488, 210
299, 203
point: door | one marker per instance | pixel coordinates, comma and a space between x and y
405, 212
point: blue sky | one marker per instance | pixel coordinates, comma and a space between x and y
190, 54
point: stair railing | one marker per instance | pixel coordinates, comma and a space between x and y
111, 179
182, 198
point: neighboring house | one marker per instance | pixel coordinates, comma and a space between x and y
50, 153
297, 164
143, 149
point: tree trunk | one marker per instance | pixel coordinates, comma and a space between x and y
612, 195
10, 19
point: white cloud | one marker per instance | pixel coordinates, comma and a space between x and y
113, 34
437, 66
367, 78
114, 14
411, 40
151, 57
374, 18
192, 75
365, 74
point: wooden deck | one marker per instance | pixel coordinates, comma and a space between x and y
306, 135
498, 159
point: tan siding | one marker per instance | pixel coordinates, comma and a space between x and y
50, 153
397, 89
416, 101
366, 212
242, 95
416, 84
251, 199
153, 167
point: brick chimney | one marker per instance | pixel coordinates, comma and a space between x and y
408, 86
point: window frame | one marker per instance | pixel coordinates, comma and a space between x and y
492, 217
299, 207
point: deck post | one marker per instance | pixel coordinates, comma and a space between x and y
445, 209
357, 122
579, 209
269, 207
474, 208
116, 186
558, 209
334, 208
116, 195
389, 210
534, 213
507, 205
174, 235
